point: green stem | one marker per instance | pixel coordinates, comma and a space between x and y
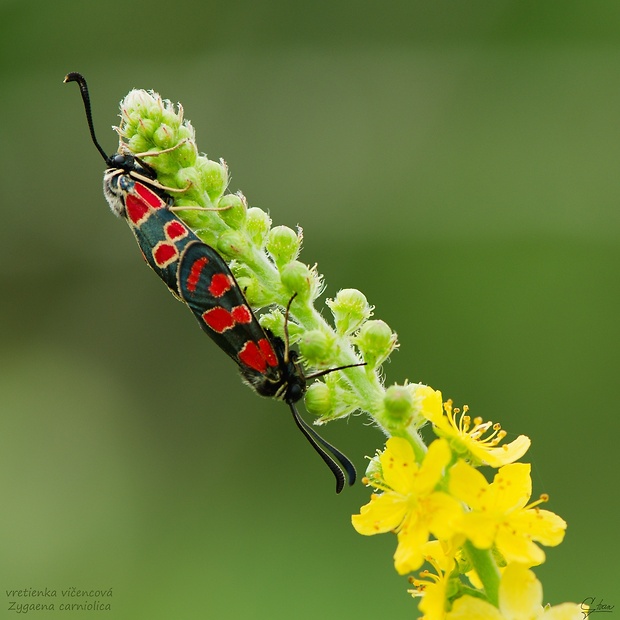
486, 569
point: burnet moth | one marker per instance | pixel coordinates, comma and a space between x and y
198, 276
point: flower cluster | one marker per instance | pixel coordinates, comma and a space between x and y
481, 538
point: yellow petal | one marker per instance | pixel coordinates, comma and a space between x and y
501, 455
511, 488
433, 603
469, 485
442, 553
442, 513
411, 540
520, 593
541, 525
565, 611
470, 608
480, 528
398, 465
382, 514
430, 405
517, 546
431, 470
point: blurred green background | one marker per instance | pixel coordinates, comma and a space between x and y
455, 161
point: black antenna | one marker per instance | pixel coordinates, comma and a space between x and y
79, 78
323, 447
320, 373
286, 338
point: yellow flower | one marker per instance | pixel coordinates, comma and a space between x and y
409, 503
520, 598
434, 590
499, 514
472, 440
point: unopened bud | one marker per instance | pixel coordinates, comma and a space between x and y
318, 399
350, 309
298, 278
317, 347
375, 341
164, 136
232, 244
253, 292
398, 405
257, 225
233, 211
283, 245
214, 177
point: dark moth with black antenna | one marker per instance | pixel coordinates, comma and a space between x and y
198, 276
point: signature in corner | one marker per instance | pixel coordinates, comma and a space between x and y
590, 606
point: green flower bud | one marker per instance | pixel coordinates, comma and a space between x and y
186, 132
350, 309
148, 127
214, 177
185, 154
254, 293
167, 165
375, 342
164, 136
328, 401
318, 400
374, 469
298, 278
398, 406
257, 224
139, 105
274, 321
170, 117
137, 144
191, 178
283, 244
232, 244
235, 210
317, 347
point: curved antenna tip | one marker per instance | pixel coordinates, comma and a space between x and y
74, 76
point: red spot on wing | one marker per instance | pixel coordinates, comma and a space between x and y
252, 356
218, 319
268, 352
165, 253
137, 209
149, 196
175, 230
194, 273
242, 314
258, 356
220, 283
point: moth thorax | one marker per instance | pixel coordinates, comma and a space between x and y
294, 388
116, 184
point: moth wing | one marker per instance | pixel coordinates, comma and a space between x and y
206, 284
150, 221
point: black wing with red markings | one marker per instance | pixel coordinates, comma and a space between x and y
208, 287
